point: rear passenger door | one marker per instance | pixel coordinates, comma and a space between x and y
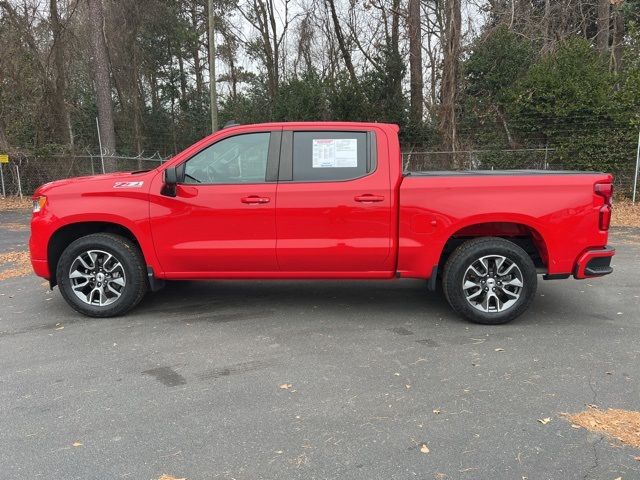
333, 211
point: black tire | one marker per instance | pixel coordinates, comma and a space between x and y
472, 251
132, 264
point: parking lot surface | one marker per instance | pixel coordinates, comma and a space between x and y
315, 380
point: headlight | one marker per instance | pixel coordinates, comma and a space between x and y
39, 203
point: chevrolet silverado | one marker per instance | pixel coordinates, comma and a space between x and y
321, 200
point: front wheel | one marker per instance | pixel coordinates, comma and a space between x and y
489, 280
102, 275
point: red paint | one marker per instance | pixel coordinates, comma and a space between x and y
369, 227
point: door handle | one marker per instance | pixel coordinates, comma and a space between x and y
255, 200
368, 198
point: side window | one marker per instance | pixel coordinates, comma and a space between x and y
327, 156
238, 159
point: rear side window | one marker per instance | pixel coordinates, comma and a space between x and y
329, 156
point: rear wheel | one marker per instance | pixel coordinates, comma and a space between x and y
102, 275
489, 280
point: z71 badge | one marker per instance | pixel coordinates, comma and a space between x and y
128, 184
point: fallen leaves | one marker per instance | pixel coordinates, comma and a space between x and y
15, 203
545, 420
625, 214
14, 264
617, 423
424, 448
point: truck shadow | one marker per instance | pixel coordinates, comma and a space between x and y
225, 301
371, 302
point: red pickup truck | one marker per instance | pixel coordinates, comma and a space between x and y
322, 200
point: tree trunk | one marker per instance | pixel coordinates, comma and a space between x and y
4, 143
604, 18
183, 82
195, 52
415, 62
213, 90
135, 105
346, 54
61, 115
450, 74
618, 38
547, 25
102, 81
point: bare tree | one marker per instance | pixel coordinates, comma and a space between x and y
618, 35
346, 54
415, 62
102, 80
450, 75
4, 143
604, 19
213, 85
261, 14
62, 122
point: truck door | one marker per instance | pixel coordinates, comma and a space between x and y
222, 218
333, 211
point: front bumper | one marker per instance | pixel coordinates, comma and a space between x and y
41, 268
594, 263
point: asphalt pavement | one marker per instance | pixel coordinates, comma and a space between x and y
315, 380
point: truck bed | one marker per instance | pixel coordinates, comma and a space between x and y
456, 173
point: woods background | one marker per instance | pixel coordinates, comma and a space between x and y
472, 83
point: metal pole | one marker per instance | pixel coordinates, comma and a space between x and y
100, 143
19, 183
635, 178
213, 94
2, 181
546, 156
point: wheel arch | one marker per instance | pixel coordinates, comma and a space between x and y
522, 233
70, 232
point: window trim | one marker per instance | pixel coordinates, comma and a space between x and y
285, 172
273, 159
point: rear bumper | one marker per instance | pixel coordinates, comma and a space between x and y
594, 263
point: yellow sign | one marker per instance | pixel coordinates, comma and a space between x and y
4, 158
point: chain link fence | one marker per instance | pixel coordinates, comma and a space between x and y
25, 172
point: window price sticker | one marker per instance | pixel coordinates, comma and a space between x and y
335, 153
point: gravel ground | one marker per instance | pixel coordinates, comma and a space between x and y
189, 383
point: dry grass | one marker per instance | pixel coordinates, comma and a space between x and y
625, 214
14, 264
15, 203
621, 424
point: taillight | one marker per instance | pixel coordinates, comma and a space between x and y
605, 217
604, 190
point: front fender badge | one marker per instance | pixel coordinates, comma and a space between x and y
128, 184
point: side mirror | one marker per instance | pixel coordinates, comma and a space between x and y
170, 182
